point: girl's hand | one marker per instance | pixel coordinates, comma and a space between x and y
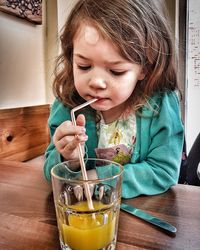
67, 137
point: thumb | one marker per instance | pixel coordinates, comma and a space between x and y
80, 120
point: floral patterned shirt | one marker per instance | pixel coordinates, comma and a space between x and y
116, 139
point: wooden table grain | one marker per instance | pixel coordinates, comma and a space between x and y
28, 220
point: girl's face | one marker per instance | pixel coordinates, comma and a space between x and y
100, 71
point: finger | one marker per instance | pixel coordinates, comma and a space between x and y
62, 131
72, 145
78, 192
101, 192
80, 120
65, 129
63, 142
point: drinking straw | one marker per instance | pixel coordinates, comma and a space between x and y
80, 153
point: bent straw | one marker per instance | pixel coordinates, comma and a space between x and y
80, 153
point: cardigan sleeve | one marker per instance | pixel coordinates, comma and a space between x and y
155, 164
52, 157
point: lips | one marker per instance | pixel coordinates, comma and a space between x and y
102, 101
98, 97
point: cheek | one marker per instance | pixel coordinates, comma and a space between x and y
122, 93
127, 86
77, 79
75, 73
77, 85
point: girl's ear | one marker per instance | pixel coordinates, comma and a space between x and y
142, 74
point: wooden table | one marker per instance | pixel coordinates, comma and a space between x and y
28, 221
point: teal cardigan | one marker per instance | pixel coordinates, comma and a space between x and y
156, 158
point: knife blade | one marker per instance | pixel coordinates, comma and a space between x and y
149, 218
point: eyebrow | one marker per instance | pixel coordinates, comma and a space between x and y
82, 57
108, 62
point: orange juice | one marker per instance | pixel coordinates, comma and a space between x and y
83, 229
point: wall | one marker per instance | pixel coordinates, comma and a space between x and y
27, 55
51, 45
56, 15
64, 8
22, 66
193, 73
171, 8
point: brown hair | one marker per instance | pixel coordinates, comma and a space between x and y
140, 31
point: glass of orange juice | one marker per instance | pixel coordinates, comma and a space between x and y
82, 227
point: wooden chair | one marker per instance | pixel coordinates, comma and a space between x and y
24, 132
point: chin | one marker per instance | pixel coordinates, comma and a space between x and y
100, 108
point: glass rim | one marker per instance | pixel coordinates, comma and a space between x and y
81, 181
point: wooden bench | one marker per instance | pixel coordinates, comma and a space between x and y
24, 132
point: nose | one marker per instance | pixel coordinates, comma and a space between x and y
97, 83
98, 80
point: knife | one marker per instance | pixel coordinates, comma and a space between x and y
149, 218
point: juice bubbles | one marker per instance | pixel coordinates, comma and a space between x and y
83, 229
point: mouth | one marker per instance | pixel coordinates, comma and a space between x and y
99, 98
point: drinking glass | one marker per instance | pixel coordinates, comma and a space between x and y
80, 226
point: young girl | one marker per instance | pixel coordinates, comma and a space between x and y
120, 52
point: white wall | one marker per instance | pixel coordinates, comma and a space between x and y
64, 8
193, 73
27, 55
22, 66
56, 15
51, 45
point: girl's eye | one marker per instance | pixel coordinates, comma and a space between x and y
117, 73
83, 67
